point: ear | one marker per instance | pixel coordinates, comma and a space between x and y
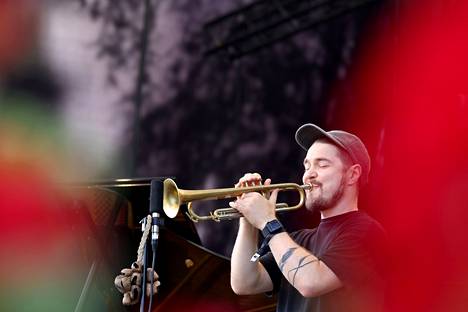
354, 173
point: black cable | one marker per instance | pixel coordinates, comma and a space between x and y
154, 245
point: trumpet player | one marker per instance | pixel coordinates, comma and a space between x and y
336, 266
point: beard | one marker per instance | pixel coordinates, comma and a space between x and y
321, 203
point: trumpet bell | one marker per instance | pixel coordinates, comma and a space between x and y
171, 198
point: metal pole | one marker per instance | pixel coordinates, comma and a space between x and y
140, 83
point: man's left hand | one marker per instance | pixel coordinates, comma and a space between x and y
256, 208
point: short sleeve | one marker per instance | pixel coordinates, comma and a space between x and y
356, 254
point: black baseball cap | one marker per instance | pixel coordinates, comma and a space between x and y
307, 134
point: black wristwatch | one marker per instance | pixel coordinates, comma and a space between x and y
273, 227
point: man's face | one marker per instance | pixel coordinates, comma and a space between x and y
325, 171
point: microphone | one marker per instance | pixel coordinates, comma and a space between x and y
156, 207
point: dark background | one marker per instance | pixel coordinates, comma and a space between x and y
220, 117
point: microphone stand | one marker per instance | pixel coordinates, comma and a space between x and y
156, 211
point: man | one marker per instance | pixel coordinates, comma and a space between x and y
333, 267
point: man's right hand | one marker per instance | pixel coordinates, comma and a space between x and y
248, 277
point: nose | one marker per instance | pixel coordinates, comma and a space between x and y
309, 175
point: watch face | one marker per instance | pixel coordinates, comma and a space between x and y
272, 227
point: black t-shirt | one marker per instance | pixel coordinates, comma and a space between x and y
353, 246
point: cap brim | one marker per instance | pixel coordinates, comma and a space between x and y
307, 134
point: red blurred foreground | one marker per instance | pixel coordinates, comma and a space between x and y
414, 80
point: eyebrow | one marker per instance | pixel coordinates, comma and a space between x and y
322, 159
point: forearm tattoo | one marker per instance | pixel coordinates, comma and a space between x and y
285, 257
300, 265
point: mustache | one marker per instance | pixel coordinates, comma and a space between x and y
315, 183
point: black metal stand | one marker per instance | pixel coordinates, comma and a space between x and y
156, 211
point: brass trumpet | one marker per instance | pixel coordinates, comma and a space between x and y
174, 197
